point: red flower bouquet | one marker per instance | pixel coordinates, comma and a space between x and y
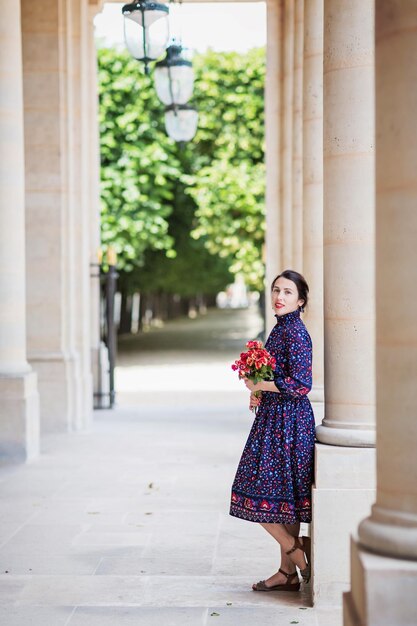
256, 364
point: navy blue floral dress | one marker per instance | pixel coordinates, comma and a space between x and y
274, 477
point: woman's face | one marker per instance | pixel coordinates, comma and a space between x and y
285, 296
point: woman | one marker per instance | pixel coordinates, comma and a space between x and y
274, 477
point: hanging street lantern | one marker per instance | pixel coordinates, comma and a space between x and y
146, 35
146, 30
174, 84
181, 122
174, 77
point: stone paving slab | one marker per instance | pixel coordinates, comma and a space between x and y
212, 591
176, 564
97, 616
231, 616
29, 562
81, 590
27, 616
225, 616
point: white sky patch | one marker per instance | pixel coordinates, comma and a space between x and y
228, 26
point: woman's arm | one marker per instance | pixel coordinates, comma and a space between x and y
297, 379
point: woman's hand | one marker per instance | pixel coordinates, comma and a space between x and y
251, 385
255, 401
263, 385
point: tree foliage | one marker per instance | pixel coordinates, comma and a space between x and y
229, 185
229, 93
181, 217
139, 166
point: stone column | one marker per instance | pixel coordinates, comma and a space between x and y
384, 565
349, 267
313, 187
287, 135
50, 257
94, 206
273, 145
297, 152
344, 481
78, 207
19, 407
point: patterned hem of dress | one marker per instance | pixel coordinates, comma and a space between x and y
270, 518
272, 507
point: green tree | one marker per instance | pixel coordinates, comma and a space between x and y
139, 166
230, 215
177, 215
229, 94
228, 185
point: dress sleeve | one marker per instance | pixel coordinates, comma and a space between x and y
295, 378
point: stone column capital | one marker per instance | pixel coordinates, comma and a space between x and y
96, 4
95, 7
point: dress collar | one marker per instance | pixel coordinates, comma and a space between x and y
288, 317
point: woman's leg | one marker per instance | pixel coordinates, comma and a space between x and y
286, 564
284, 535
286, 541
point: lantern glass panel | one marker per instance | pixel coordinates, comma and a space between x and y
155, 35
182, 83
181, 125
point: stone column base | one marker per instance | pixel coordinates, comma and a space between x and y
19, 417
383, 592
350, 437
60, 391
343, 493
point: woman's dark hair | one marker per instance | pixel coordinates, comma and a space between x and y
300, 283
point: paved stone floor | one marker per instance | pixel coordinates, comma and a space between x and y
127, 524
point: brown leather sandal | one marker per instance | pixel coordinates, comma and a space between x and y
288, 586
306, 572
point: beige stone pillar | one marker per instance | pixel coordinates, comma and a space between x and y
50, 254
94, 205
73, 232
344, 476
384, 565
78, 206
313, 186
19, 407
287, 135
349, 303
273, 106
297, 143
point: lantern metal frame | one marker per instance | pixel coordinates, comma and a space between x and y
143, 6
